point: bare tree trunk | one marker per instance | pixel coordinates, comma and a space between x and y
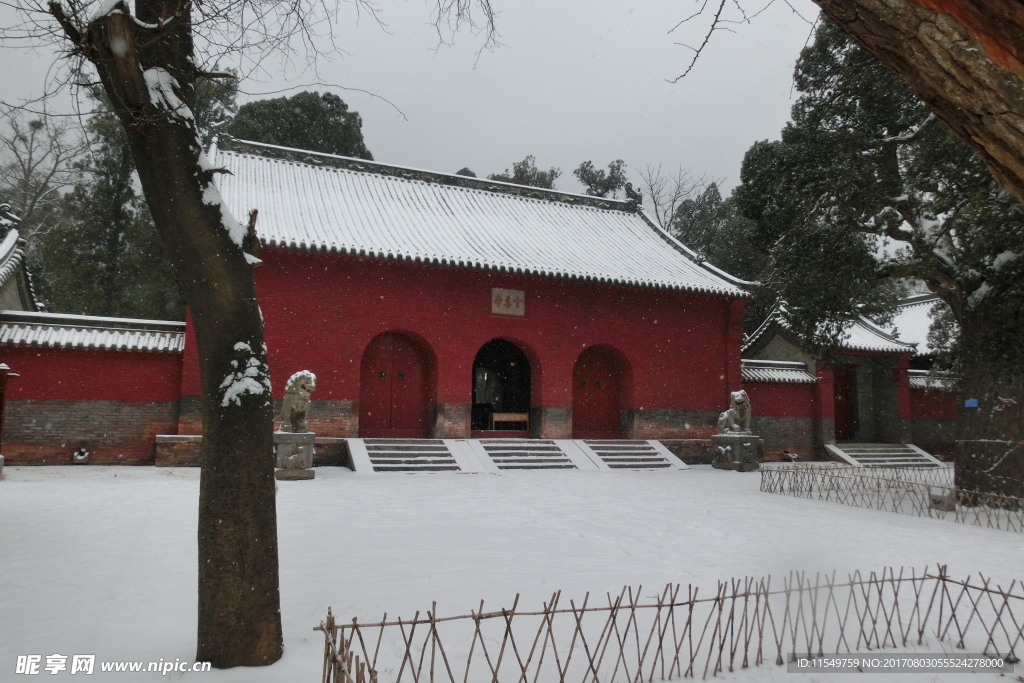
146, 69
964, 58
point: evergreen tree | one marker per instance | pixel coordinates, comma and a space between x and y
525, 172
864, 190
309, 120
105, 257
602, 183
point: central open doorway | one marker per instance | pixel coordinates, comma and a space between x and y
501, 390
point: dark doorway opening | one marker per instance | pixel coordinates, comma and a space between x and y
501, 387
845, 391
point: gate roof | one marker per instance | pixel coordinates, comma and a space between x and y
315, 201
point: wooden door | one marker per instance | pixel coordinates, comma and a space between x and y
393, 389
844, 383
595, 396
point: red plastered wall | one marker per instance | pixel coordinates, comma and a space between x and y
933, 405
781, 400
73, 374
321, 311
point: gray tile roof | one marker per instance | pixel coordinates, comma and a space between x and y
324, 202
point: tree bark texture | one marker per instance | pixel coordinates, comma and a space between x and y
964, 58
990, 447
239, 603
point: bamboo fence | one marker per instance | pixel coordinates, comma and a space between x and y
681, 633
914, 491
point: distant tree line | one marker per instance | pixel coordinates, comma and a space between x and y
92, 245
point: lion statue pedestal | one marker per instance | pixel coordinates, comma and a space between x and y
293, 443
736, 448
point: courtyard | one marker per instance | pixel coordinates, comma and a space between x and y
102, 560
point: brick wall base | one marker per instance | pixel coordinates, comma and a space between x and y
793, 434
691, 451
184, 451
47, 432
676, 424
449, 420
551, 422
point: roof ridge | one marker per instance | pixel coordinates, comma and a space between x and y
91, 321
318, 159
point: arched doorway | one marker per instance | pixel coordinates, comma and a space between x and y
393, 388
501, 386
596, 394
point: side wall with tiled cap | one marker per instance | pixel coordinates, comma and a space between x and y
112, 403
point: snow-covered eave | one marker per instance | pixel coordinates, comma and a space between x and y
11, 255
483, 265
775, 372
80, 332
773, 319
742, 285
890, 345
776, 322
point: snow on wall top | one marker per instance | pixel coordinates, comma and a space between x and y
930, 381
859, 335
778, 371
913, 321
23, 328
309, 200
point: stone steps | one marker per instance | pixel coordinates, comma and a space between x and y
882, 455
498, 455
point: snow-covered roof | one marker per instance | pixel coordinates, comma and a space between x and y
12, 261
24, 328
780, 371
859, 335
925, 379
914, 319
308, 200
11, 255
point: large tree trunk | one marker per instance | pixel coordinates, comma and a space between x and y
239, 604
990, 447
964, 58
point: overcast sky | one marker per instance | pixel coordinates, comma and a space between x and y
573, 80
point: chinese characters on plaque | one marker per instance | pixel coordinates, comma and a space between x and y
508, 301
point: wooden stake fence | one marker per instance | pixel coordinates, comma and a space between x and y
678, 634
913, 491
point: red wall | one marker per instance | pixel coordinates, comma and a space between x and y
781, 400
321, 311
74, 374
933, 405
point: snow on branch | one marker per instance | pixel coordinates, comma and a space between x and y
911, 135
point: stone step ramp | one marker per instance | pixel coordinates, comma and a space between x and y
625, 454
882, 455
402, 455
499, 455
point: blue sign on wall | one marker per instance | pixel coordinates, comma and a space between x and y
970, 403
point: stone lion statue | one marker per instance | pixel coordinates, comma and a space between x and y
297, 393
737, 418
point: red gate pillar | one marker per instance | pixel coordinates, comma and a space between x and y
5, 372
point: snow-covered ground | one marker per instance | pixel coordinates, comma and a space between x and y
102, 560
